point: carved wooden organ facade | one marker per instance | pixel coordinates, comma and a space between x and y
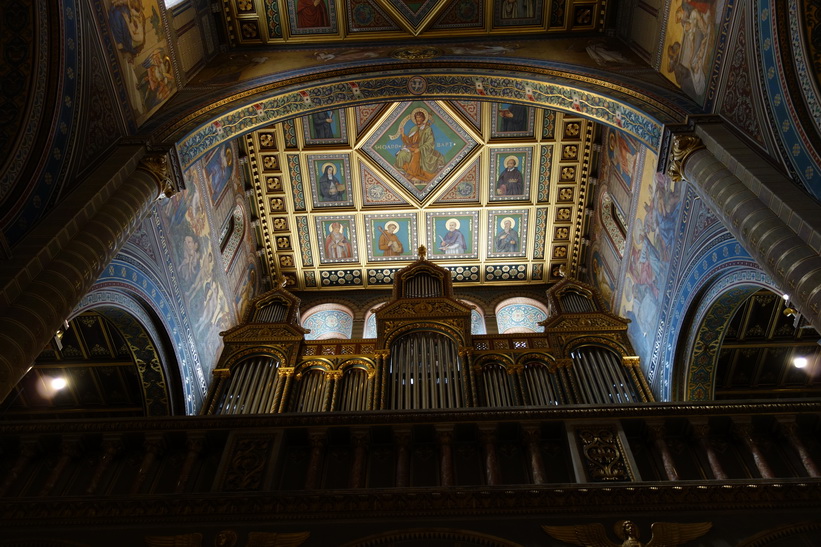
425, 358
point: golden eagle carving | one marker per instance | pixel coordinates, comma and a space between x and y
664, 534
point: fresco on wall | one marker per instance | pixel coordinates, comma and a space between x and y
622, 157
199, 267
139, 38
648, 254
689, 44
219, 169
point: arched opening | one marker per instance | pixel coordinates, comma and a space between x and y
102, 363
328, 321
520, 315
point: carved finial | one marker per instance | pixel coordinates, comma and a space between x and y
281, 281
423, 252
562, 273
683, 146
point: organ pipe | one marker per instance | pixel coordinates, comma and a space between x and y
425, 372
423, 286
274, 312
602, 376
574, 302
250, 387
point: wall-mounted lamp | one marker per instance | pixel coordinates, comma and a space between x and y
790, 311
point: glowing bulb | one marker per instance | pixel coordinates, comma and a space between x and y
786, 297
58, 383
799, 362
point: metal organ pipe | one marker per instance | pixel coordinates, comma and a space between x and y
272, 313
574, 302
425, 372
251, 386
423, 285
603, 377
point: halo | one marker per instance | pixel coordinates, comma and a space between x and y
325, 166
515, 161
611, 140
332, 224
424, 113
512, 222
638, 227
395, 224
456, 220
228, 154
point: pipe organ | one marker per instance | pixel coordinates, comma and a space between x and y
251, 388
425, 357
425, 372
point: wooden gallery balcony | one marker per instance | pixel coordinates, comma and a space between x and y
387, 462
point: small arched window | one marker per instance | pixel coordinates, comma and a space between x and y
328, 321
477, 318
614, 222
520, 315
231, 236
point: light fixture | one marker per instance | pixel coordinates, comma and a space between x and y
58, 383
799, 362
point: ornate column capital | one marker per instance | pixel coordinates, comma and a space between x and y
162, 167
680, 149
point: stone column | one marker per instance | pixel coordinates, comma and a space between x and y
487, 436
57, 263
768, 214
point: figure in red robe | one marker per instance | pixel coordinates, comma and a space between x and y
311, 14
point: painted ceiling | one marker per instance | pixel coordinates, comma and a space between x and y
495, 192
260, 22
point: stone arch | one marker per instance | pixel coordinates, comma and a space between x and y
634, 109
148, 344
704, 330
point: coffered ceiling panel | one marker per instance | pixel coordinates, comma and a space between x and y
495, 192
259, 22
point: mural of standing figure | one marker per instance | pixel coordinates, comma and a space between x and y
507, 240
389, 243
336, 244
454, 241
312, 14
510, 181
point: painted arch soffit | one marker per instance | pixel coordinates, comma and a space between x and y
635, 110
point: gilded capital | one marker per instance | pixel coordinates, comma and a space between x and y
680, 150
158, 166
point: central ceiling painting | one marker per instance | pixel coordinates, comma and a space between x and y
418, 145
496, 192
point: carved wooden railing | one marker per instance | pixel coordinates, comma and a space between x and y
581, 447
